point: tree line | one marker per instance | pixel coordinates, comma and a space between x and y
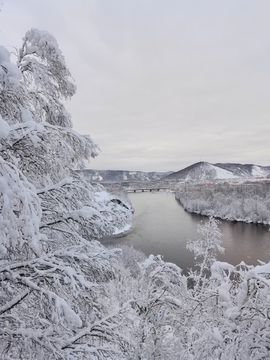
247, 202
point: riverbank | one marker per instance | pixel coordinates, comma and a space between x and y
162, 226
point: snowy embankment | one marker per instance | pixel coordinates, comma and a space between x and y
248, 202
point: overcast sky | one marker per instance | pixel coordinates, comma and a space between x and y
162, 84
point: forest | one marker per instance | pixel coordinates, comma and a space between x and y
65, 296
248, 202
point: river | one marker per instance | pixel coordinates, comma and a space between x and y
162, 226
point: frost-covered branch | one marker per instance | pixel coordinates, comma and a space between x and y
53, 273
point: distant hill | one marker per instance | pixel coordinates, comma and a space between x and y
120, 176
203, 171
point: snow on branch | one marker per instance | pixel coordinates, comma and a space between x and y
53, 273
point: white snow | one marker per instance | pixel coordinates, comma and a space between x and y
8, 71
258, 172
102, 196
4, 128
85, 212
125, 228
223, 174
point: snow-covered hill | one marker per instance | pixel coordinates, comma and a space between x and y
121, 175
201, 171
204, 171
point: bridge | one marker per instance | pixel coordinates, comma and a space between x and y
147, 189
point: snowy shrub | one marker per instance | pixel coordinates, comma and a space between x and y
130, 259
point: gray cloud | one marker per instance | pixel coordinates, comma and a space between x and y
161, 84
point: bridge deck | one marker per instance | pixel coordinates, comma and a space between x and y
146, 189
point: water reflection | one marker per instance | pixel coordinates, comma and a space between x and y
161, 226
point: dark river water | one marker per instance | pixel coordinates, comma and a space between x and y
161, 226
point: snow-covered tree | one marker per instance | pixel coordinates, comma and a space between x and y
47, 77
53, 271
207, 247
227, 315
